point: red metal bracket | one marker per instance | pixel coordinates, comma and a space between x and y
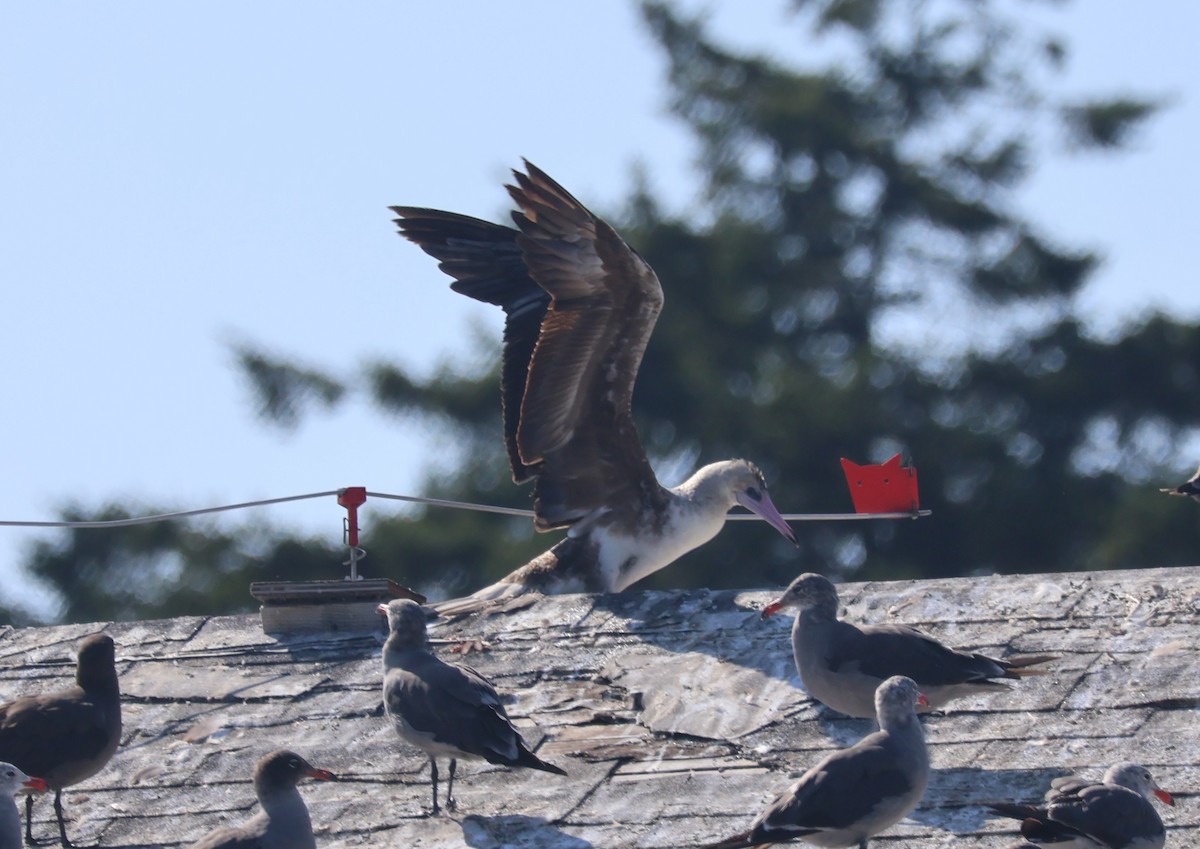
352, 497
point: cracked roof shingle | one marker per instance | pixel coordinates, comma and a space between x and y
676, 714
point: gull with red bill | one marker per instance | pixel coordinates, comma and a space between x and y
841, 663
855, 793
283, 822
13, 780
1115, 813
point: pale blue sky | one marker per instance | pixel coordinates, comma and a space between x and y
177, 176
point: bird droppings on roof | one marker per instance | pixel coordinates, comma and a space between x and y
678, 716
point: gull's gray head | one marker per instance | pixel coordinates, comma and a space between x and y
1137, 778
13, 780
282, 769
898, 696
406, 621
809, 592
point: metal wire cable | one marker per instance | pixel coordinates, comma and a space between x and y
415, 499
734, 517
164, 517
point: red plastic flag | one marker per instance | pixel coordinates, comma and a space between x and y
886, 488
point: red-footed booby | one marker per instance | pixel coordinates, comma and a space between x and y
580, 305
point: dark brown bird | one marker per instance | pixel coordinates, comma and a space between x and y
13, 780
580, 305
67, 736
283, 822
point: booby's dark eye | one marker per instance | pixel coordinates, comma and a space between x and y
754, 492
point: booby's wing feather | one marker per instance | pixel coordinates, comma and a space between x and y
575, 417
486, 263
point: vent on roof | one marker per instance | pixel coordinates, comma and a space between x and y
313, 606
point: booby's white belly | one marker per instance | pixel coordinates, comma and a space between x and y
625, 560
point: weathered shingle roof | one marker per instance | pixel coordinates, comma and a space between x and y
677, 714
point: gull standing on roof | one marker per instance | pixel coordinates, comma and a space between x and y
283, 822
841, 664
448, 711
580, 306
67, 736
1190, 487
855, 793
1115, 814
13, 780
